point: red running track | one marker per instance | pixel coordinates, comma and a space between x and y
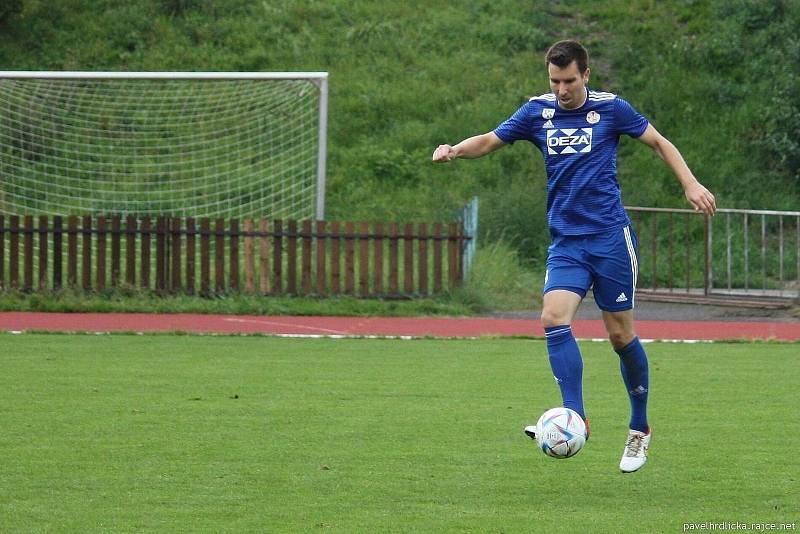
380, 326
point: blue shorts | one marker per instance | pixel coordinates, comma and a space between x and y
608, 261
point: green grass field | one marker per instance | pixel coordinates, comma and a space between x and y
125, 433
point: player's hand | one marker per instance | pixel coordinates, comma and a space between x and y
701, 199
443, 154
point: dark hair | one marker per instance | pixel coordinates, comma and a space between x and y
565, 52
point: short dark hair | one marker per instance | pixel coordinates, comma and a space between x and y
565, 52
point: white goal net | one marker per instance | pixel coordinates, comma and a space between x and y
179, 144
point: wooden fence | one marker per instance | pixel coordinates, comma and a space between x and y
269, 257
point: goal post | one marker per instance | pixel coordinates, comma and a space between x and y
200, 144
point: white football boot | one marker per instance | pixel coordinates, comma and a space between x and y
635, 454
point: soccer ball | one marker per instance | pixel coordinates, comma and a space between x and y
560, 432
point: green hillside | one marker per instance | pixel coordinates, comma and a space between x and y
718, 77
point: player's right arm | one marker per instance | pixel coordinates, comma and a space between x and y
471, 148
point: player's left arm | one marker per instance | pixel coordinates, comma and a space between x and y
697, 195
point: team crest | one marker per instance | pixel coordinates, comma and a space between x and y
593, 117
548, 113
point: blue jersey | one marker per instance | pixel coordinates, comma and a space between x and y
580, 156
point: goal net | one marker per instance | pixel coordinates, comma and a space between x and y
179, 144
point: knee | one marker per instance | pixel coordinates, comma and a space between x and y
552, 318
620, 338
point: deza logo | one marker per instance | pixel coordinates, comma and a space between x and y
569, 141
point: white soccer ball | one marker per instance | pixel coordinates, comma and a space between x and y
560, 432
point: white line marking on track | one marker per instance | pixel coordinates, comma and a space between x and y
286, 325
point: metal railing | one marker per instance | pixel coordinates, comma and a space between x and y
737, 254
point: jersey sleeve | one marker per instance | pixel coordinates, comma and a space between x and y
517, 127
627, 120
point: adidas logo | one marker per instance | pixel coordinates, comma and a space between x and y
548, 124
622, 298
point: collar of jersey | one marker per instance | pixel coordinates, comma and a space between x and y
585, 101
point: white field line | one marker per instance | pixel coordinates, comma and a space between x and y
334, 334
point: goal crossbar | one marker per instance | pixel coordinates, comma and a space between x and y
162, 75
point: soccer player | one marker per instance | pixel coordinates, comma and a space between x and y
593, 245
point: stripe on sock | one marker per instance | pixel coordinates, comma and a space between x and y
558, 332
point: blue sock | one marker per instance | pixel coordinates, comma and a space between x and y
567, 365
633, 364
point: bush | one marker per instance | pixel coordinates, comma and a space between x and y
500, 280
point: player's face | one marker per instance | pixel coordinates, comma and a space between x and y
568, 84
